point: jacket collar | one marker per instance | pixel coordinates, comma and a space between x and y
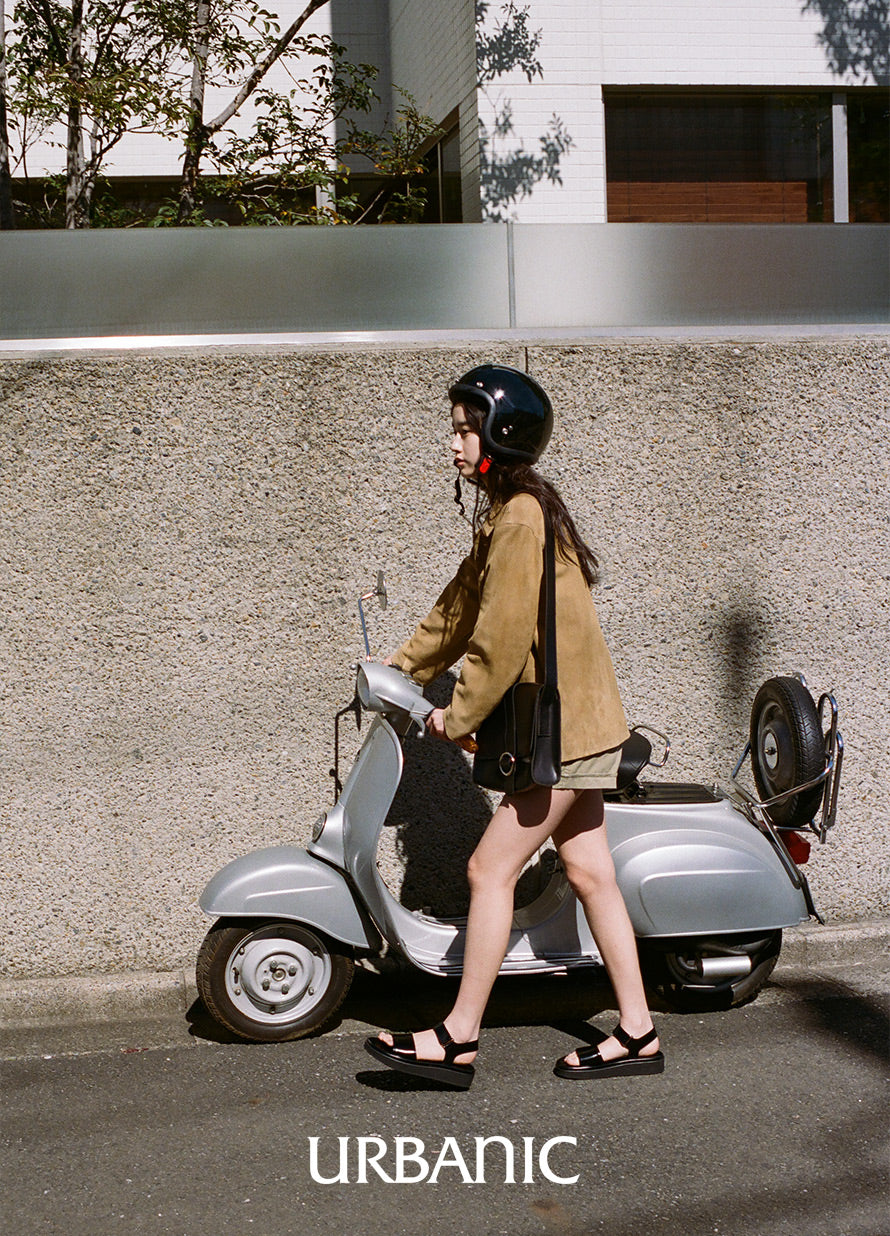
491, 519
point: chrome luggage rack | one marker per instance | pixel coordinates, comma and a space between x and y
830, 775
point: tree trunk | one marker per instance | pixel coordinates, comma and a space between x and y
260, 70
199, 131
191, 167
76, 195
7, 210
196, 139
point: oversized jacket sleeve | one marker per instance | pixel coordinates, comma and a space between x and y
501, 639
442, 637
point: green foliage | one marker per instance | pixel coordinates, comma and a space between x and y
85, 72
167, 215
114, 61
44, 205
291, 150
292, 146
396, 157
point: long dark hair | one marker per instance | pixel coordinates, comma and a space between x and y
503, 480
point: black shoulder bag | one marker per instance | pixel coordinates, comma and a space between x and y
518, 744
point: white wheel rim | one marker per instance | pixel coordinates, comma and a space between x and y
273, 978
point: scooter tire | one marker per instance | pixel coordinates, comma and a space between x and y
269, 981
787, 749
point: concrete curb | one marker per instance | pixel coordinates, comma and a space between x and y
812, 945
109, 998
76, 1000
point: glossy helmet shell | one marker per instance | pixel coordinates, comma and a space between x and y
518, 417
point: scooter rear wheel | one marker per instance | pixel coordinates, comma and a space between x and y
268, 981
673, 972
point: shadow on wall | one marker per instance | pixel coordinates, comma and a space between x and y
441, 814
507, 171
742, 634
855, 38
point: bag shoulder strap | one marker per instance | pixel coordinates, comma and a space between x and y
548, 587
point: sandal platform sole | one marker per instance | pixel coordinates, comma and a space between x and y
458, 1075
627, 1067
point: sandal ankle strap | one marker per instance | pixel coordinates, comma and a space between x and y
633, 1045
452, 1049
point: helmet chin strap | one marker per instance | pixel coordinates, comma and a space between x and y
484, 464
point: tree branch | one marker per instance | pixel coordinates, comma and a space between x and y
260, 70
112, 26
54, 33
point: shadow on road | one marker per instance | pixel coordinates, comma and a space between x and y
832, 1007
408, 1000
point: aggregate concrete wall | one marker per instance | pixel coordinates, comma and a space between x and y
183, 536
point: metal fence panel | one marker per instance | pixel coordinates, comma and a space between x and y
222, 281
638, 274
196, 282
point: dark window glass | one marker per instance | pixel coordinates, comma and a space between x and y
695, 158
452, 210
431, 182
868, 144
442, 181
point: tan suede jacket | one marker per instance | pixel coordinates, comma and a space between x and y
488, 615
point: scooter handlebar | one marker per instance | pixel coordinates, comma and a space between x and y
385, 689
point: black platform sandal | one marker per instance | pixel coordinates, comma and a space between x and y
402, 1056
591, 1064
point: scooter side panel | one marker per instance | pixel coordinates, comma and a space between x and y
548, 936
284, 882
699, 870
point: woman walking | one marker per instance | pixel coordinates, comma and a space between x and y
490, 614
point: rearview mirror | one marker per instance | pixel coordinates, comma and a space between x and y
380, 593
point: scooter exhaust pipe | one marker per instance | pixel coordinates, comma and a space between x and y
715, 969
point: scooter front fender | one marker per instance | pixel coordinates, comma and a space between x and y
285, 882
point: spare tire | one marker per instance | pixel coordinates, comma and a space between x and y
787, 749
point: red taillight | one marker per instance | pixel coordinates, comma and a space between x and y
797, 846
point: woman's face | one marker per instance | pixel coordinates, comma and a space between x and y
466, 445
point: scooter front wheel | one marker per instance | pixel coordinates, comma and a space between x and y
268, 981
707, 975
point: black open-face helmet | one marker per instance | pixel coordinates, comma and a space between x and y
517, 416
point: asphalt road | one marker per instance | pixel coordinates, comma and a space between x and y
769, 1120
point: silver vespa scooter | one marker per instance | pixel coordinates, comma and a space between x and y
710, 875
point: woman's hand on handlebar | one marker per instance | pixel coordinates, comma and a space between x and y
435, 724
435, 727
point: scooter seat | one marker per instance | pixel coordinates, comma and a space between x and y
636, 753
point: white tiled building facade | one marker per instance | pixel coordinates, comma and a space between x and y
587, 46
591, 55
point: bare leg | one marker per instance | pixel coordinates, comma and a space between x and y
518, 828
583, 848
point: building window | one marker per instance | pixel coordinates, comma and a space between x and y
868, 131
442, 180
718, 158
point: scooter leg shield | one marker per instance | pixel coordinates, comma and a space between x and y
285, 882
